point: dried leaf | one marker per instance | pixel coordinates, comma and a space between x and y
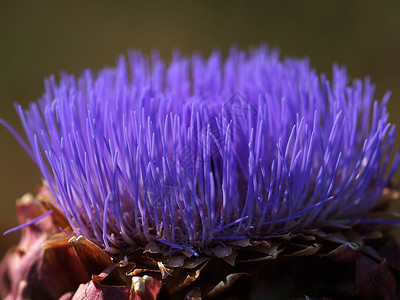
222, 251
137, 271
268, 253
164, 271
337, 237
353, 237
57, 240
224, 285
266, 247
93, 259
241, 243
306, 237
191, 263
374, 279
310, 250
231, 259
145, 288
31, 272
152, 247
347, 252
174, 261
190, 278
93, 290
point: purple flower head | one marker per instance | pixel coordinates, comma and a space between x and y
205, 151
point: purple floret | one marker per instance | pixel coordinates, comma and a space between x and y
206, 151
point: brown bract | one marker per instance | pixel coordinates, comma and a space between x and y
360, 261
28, 271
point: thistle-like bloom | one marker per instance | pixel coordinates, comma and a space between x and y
202, 152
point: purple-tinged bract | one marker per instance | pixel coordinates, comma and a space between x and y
204, 151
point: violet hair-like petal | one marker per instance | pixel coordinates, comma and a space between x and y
205, 151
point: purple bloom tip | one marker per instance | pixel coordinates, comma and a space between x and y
202, 151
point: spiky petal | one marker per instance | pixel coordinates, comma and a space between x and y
206, 151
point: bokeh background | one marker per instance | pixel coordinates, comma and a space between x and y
39, 38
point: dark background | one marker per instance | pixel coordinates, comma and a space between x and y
39, 38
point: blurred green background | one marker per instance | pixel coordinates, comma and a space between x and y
39, 38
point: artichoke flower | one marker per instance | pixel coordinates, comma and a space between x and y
251, 178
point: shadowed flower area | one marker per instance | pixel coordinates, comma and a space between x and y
205, 153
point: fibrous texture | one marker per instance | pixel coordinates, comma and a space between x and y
200, 152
